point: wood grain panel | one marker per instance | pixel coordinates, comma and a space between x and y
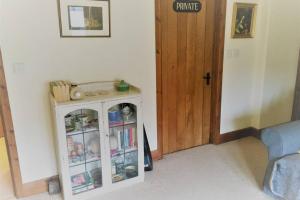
158, 36
1, 127
199, 73
190, 80
164, 62
218, 56
181, 77
208, 67
171, 75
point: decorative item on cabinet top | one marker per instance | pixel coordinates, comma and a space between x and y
60, 90
67, 92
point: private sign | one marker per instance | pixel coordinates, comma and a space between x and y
187, 6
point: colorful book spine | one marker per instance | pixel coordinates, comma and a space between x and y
125, 140
134, 137
131, 138
119, 140
122, 140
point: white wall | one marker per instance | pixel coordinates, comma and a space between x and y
259, 82
259, 73
30, 35
281, 62
244, 62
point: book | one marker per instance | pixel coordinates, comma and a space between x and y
134, 142
119, 140
126, 138
122, 140
131, 138
60, 90
115, 123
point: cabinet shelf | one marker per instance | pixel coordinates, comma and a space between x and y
121, 123
84, 162
82, 187
121, 152
84, 130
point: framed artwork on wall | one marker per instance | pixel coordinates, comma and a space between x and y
81, 18
244, 20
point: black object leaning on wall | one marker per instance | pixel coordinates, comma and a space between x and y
148, 162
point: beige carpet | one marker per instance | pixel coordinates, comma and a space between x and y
232, 171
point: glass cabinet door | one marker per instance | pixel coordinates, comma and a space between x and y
84, 151
123, 141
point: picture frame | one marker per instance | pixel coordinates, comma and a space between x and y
244, 20
82, 18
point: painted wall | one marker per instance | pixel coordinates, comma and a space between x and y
281, 62
260, 73
243, 72
34, 54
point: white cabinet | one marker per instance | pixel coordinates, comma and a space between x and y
99, 143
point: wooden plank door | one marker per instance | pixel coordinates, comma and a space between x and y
184, 51
1, 128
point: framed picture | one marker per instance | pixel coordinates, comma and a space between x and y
82, 18
243, 23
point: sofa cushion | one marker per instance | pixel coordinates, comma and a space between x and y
282, 178
282, 140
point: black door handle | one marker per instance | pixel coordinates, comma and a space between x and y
207, 78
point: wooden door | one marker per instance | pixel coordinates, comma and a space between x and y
184, 55
1, 128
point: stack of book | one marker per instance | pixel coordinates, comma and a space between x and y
81, 182
126, 138
60, 90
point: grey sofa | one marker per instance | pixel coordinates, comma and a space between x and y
282, 179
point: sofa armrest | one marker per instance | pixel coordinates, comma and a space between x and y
282, 140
